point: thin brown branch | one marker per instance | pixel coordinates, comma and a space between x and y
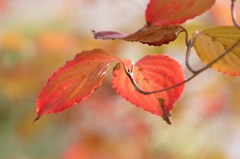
190, 44
129, 73
233, 14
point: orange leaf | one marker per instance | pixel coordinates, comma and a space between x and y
151, 73
171, 12
151, 35
74, 82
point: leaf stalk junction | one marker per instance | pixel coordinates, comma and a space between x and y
189, 44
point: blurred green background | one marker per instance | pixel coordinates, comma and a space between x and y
37, 37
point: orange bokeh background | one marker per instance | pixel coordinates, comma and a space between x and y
38, 37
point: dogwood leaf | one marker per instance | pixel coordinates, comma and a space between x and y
171, 12
151, 73
74, 82
211, 43
151, 35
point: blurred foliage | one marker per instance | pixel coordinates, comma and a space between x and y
38, 37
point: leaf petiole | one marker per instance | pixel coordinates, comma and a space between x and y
165, 114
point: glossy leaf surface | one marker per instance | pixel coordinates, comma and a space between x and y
171, 12
153, 35
74, 82
151, 73
211, 43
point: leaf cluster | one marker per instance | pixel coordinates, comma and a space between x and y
155, 82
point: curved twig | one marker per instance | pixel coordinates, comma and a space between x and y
129, 73
233, 14
190, 44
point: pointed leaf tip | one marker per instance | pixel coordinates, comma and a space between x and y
108, 35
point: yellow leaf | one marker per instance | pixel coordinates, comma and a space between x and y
211, 43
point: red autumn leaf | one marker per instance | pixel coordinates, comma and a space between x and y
74, 82
151, 73
151, 35
171, 12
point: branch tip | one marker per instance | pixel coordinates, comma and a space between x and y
233, 15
